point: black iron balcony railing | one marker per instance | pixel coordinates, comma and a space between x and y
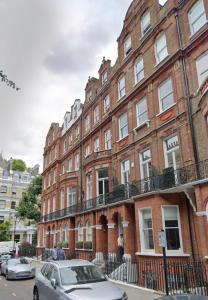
169, 179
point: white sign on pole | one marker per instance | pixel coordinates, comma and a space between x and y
162, 239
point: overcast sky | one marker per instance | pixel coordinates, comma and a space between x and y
49, 48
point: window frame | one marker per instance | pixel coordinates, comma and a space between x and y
126, 125
96, 116
127, 45
107, 141
157, 54
121, 91
76, 162
88, 232
201, 80
179, 227
196, 19
106, 108
141, 227
161, 99
87, 123
166, 151
97, 145
125, 171
144, 30
141, 71
138, 115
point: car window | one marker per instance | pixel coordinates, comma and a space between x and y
45, 270
81, 275
54, 275
24, 261
49, 272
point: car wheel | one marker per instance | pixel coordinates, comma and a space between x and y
35, 294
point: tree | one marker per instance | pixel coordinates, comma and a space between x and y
29, 206
18, 165
4, 231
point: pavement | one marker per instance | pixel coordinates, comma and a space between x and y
22, 289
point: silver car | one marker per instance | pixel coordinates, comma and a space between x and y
74, 279
17, 268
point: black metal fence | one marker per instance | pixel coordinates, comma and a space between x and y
184, 275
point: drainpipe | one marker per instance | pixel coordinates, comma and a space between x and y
187, 93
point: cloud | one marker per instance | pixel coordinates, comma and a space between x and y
48, 48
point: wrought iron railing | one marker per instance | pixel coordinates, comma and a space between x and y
170, 178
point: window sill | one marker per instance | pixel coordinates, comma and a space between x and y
122, 98
164, 111
160, 62
146, 123
118, 141
192, 35
90, 250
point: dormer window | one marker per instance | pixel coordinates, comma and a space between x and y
87, 123
145, 23
127, 46
96, 114
121, 87
104, 77
89, 95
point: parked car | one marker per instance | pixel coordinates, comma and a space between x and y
17, 268
4, 257
74, 279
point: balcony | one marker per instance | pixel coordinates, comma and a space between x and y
170, 181
96, 156
68, 175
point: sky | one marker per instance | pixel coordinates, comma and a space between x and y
49, 48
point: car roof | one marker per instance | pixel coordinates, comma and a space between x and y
71, 263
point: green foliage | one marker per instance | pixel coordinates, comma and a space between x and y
18, 165
4, 231
29, 206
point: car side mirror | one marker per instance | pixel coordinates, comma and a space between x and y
53, 283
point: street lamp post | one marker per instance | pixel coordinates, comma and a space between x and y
14, 230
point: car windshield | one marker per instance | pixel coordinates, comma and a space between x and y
81, 275
17, 261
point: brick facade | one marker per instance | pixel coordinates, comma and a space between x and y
102, 189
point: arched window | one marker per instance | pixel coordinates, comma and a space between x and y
80, 233
88, 232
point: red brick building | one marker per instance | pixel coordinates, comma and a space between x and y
133, 158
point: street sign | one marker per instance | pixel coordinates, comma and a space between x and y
162, 239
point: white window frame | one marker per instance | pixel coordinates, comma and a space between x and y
106, 104
87, 123
204, 74
197, 18
179, 227
144, 162
87, 150
107, 137
62, 200
127, 46
89, 183
141, 227
104, 77
49, 206
2, 204
124, 171
88, 232
139, 70
65, 145
96, 114
76, 162
80, 235
139, 113
71, 196
89, 95
166, 151
164, 48
167, 95
77, 132
97, 145
121, 136
70, 165
145, 27
54, 203
121, 87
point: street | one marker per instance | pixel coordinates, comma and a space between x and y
22, 289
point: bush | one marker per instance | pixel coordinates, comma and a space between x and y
88, 245
26, 249
65, 244
79, 245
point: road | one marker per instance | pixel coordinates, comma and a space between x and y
22, 290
